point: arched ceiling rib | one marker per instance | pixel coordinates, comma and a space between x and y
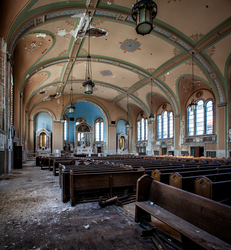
165, 50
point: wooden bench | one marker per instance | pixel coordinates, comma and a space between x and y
62, 161
211, 188
202, 223
185, 180
64, 176
102, 182
162, 174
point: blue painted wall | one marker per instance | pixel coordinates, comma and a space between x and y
43, 118
90, 112
121, 127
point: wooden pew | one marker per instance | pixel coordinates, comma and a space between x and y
202, 223
211, 187
52, 159
83, 169
185, 180
163, 174
99, 184
63, 161
44, 163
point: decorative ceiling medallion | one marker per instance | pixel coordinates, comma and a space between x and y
95, 90
199, 94
83, 51
97, 23
63, 53
163, 78
196, 37
176, 51
106, 73
150, 69
130, 45
211, 51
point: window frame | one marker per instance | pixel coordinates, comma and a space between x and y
100, 136
142, 129
205, 118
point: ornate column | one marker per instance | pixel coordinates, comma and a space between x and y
178, 133
151, 127
222, 136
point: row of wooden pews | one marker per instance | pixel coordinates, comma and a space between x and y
167, 188
203, 176
83, 183
202, 223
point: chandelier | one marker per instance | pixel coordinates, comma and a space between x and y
193, 104
151, 117
71, 107
88, 84
127, 123
143, 13
62, 118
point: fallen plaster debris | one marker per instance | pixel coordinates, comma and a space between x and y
41, 35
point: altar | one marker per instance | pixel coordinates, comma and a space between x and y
122, 143
83, 138
43, 142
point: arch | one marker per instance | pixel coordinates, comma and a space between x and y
92, 101
49, 112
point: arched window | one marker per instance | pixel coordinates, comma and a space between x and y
99, 129
165, 125
65, 130
142, 129
209, 117
201, 120
170, 124
159, 127
138, 131
80, 135
191, 123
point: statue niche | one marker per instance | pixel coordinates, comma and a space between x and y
122, 143
83, 138
43, 141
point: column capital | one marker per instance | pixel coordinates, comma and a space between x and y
220, 105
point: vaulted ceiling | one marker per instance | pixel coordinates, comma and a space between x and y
48, 44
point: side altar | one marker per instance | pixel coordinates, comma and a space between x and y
83, 138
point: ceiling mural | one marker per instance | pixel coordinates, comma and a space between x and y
50, 40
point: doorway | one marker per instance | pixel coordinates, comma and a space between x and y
164, 148
99, 150
197, 151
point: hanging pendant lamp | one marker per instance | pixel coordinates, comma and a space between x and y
143, 13
71, 107
151, 117
127, 123
62, 118
88, 84
193, 104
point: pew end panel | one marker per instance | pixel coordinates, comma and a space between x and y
196, 218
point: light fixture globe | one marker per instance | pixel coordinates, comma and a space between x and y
88, 86
71, 109
143, 13
127, 125
151, 117
62, 119
193, 105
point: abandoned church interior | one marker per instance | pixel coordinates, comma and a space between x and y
117, 109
